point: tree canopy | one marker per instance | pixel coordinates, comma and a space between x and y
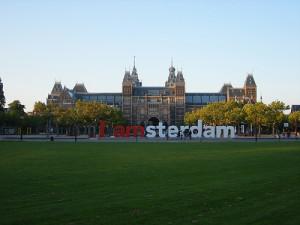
294, 119
235, 113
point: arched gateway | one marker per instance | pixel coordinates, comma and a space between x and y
153, 121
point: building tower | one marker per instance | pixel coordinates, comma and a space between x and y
2, 97
176, 85
134, 76
250, 89
54, 96
179, 98
170, 83
127, 91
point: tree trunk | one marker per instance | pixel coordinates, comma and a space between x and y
238, 129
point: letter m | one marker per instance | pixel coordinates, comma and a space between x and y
225, 131
136, 130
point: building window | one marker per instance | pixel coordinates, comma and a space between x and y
205, 99
189, 99
197, 99
222, 98
180, 101
213, 98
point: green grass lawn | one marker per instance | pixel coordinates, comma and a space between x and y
149, 183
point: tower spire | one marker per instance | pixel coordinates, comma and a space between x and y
133, 61
171, 61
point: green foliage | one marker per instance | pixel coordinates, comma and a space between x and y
256, 113
275, 115
294, 119
86, 114
45, 116
15, 115
91, 112
218, 113
40, 108
16, 108
235, 113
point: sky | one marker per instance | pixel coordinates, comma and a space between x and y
93, 42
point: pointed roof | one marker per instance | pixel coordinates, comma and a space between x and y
127, 76
225, 87
179, 76
79, 87
171, 71
134, 73
57, 88
134, 76
250, 82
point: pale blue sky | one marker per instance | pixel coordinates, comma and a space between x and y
93, 41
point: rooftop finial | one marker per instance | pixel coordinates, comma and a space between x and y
171, 61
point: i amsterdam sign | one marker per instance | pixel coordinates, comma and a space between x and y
199, 131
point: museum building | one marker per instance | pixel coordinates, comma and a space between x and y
150, 105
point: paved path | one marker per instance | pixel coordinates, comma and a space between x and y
44, 138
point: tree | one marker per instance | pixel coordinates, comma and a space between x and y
294, 119
15, 114
41, 117
234, 114
40, 108
16, 108
217, 113
256, 114
212, 114
84, 114
2, 97
275, 115
89, 113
